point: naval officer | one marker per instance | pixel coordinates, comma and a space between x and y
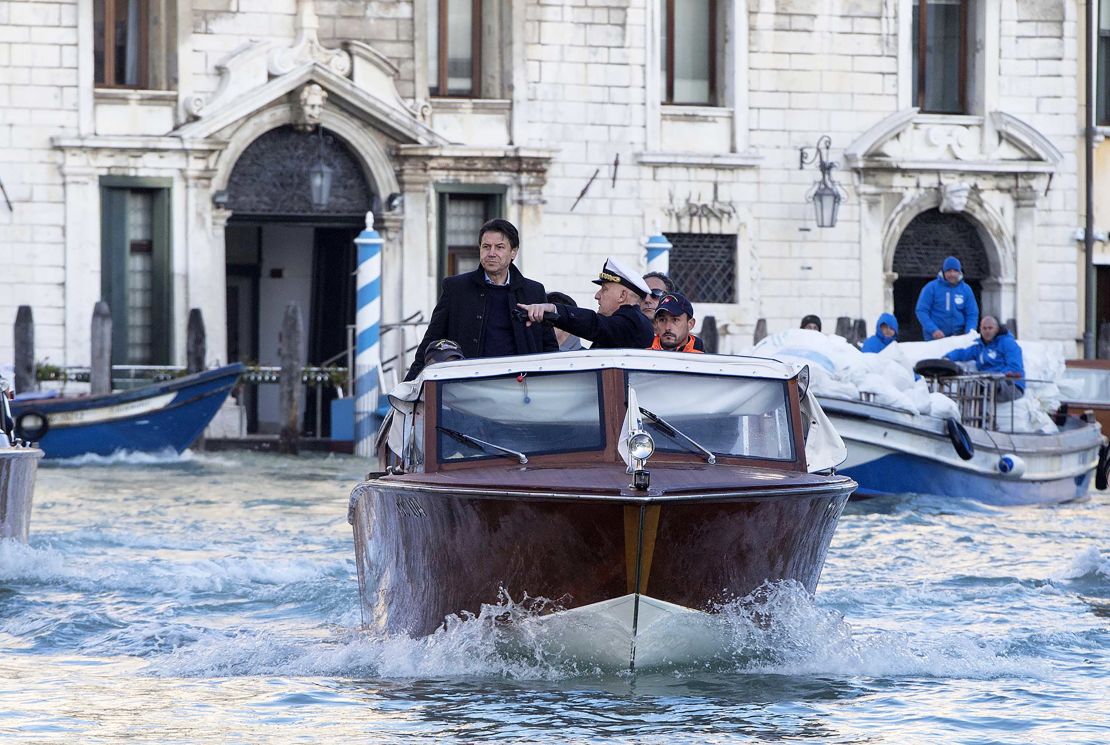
618, 322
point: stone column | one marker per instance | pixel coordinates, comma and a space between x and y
876, 286
205, 264
410, 274
82, 254
1025, 303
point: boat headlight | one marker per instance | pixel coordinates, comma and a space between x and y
640, 445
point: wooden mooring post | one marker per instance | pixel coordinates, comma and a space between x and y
24, 349
292, 363
709, 335
760, 331
196, 347
100, 363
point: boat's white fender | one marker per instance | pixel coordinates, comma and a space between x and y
1011, 466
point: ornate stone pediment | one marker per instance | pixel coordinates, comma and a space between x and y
258, 72
398, 122
998, 143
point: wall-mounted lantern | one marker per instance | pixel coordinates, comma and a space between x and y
825, 194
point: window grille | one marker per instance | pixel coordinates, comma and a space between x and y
934, 235
703, 266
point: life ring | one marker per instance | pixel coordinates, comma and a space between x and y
1102, 472
31, 426
961, 441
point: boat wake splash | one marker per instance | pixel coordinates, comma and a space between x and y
778, 630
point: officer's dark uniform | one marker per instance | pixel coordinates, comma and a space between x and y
627, 328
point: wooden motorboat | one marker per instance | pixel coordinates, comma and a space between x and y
633, 485
18, 464
1091, 381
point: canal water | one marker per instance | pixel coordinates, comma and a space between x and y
213, 598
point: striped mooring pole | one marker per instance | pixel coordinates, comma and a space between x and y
368, 320
658, 253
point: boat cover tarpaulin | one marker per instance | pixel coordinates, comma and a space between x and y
840, 370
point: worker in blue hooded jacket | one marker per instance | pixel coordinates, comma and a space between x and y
996, 351
886, 331
946, 306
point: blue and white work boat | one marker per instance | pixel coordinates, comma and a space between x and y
979, 456
150, 419
18, 464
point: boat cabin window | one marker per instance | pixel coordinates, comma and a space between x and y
748, 417
531, 413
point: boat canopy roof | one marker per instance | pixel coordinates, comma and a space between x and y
598, 359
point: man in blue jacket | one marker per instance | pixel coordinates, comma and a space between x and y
886, 331
946, 306
996, 352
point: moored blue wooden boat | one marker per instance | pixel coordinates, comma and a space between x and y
153, 418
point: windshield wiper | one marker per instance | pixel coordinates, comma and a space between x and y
671, 431
487, 446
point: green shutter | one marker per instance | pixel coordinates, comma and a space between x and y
113, 265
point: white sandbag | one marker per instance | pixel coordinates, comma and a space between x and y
942, 406
1024, 415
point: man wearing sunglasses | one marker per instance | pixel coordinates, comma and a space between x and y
659, 284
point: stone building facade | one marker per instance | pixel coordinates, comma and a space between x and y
158, 154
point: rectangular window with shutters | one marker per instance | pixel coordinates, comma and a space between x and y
1102, 106
688, 46
454, 47
461, 215
940, 55
134, 44
135, 268
703, 266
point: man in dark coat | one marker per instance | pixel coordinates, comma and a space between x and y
475, 308
618, 322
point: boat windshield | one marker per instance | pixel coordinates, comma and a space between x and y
746, 417
532, 413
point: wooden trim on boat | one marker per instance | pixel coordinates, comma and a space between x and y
641, 527
724, 495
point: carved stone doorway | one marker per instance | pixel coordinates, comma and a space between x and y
280, 249
921, 250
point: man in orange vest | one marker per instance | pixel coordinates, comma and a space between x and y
674, 318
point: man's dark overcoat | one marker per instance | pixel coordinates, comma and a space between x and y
461, 312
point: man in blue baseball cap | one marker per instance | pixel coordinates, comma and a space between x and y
946, 306
673, 321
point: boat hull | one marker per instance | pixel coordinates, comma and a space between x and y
154, 418
891, 451
17, 484
419, 560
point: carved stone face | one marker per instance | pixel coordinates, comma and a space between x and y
312, 100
